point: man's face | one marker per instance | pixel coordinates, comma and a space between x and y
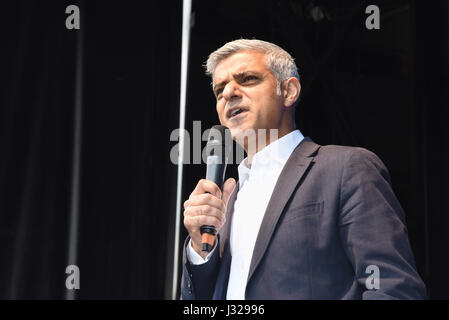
243, 81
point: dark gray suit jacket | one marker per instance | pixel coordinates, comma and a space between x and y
331, 215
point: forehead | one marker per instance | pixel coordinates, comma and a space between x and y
239, 62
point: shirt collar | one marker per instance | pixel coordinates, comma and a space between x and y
276, 152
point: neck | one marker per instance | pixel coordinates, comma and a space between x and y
257, 142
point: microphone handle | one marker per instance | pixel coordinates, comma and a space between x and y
215, 173
208, 235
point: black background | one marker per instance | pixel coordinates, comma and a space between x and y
385, 90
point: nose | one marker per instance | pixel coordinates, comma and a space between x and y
231, 90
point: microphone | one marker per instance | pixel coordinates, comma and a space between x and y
218, 147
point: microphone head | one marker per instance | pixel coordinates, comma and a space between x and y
218, 134
218, 147
219, 141
219, 144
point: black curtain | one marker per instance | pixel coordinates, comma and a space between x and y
130, 57
385, 90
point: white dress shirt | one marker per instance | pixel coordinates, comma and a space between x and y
256, 184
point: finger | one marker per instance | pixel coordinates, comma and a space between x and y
228, 187
204, 211
205, 199
204, 186
208, 220
193, 223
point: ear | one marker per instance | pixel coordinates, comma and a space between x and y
290, 91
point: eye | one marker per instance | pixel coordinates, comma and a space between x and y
218, 92
249, 78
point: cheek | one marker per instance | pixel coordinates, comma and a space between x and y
219, 109
269, 112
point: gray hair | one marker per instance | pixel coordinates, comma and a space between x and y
278, 60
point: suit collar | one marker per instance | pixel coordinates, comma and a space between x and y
291, 175
275, 154
226, 230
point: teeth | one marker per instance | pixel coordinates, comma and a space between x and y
235, 111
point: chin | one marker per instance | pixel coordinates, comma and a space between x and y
240, 132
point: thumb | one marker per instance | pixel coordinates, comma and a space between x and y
228, 187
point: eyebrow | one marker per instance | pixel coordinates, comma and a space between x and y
238, 75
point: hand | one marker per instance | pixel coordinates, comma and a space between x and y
206, 206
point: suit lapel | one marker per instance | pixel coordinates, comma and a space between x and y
294, 169
225, 252
226, 230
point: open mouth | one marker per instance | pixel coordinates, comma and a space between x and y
235, 112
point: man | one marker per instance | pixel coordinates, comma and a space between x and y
304, 221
